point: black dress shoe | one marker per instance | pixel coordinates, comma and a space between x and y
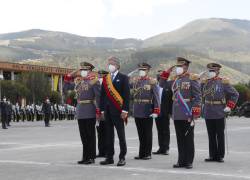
147, 158
189, 166
90, 161
157, 152
220, 160
5, 128
81, 162
138, 157
165, 152
107, 161
121, 162
178, 165
210, 159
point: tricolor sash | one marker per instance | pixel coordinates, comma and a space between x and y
184, 106
112, 93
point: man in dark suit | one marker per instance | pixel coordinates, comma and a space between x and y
162, 122
114, 105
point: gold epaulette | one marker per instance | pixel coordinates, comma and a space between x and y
172, 78
93, 80
194, 77
204, 81
152, 81
225, 80
133, 80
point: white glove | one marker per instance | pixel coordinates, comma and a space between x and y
154, 115
227, 109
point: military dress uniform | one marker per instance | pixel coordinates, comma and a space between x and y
186, 106
4, 114
145, 94
163, 121
88, 99
217, 94
101, 132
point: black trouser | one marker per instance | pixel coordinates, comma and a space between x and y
144, 129
185, 142
88, 137
216, 137
101, 138
162, 125
46, 119
4, 120
112, 121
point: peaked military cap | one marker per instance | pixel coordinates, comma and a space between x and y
182, 61
214, 66
102, 72
144, 66
87, 66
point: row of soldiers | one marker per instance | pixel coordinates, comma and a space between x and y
178, 94
16, 113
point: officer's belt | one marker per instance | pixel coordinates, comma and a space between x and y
186, 100
146, 101
214, 102
86, 102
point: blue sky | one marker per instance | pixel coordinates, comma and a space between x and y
114, 18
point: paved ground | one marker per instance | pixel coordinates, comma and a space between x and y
29, 151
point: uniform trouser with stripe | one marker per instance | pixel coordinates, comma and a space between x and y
185, 142
88, 137
163, 130
144, 129
216, 137
101, 134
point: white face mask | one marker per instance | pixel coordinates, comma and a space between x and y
112, 68
84, 73
179, 70
142, 73
211, 74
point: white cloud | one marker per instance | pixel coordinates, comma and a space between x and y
138, 7
76, 16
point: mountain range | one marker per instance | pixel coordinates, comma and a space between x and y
226, 41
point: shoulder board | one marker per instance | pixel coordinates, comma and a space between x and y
204, 81
152, 81
225, 80
194, 77
93, 80
172, 78
133, 79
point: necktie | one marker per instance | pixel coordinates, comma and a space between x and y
112, 76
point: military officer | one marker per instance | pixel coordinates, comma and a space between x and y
100, 127
46, 109
145, 94
4, 113
87, 88
219, 98
185, 108
163, 121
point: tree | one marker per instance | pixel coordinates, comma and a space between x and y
55, 97
38, 85
244, 93
14, 90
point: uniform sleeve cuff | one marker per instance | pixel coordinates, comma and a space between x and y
196, 111
231, 104
124, 111
165, 75
98, 111
156, 111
